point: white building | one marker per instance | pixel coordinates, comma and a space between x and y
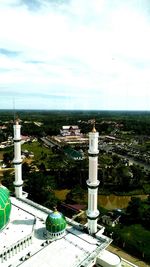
70, 130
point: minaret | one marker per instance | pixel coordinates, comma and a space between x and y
92, 182
17, 159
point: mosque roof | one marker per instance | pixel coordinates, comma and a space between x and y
74, 248
55, 222
72, 153
5, 206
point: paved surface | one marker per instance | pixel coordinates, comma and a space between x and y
127, 257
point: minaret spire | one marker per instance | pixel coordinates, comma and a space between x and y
93, 130
17, 159
92, 182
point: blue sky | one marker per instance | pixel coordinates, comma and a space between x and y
75, 54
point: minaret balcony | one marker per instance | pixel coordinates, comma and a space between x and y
17, 161
92, 185
92, 215
93, 152
18, 183
17, 140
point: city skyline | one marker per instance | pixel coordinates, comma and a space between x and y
74, 54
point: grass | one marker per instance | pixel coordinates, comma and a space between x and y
41, 153
38, 149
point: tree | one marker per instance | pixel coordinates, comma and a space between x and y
25, 169
146, 218
115, 159
42, 167
138, 175
7, 180
75, 195
2, 137
40, 190
124, 177
7, 158
133, 210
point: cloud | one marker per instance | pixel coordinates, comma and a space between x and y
31, 4
35, 5
78, 49
34, 61
9, 53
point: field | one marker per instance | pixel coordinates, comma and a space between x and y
38, 149
41, 153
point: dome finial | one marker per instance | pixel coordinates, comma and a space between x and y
55, 209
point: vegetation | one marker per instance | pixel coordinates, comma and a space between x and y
120, 178
133, 233
131, 121
134, 239
42, 155
138, 211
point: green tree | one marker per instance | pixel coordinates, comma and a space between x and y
8, 179
42, 167
75, 195
7, 158
134, 210
146, 218
124, 177
40, 190
25, 169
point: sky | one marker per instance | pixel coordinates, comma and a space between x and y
75, 54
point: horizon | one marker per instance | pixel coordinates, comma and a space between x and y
75, 55
73, 110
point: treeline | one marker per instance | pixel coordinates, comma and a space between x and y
137, 122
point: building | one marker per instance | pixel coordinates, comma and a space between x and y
111, 218
70, 130
72, 153
32, 235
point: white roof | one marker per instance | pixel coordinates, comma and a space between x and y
111, 258
71, 250
20, 225
67, 127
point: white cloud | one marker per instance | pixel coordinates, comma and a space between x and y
80, 48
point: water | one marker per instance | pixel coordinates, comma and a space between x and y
106, 201
116, 202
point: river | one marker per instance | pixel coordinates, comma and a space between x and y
109, 202
116, 202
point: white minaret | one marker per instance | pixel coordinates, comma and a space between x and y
92, 182
17, 159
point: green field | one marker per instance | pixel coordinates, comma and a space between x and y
41, 153
37, 148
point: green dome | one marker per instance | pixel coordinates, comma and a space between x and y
5, 206
55, 222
